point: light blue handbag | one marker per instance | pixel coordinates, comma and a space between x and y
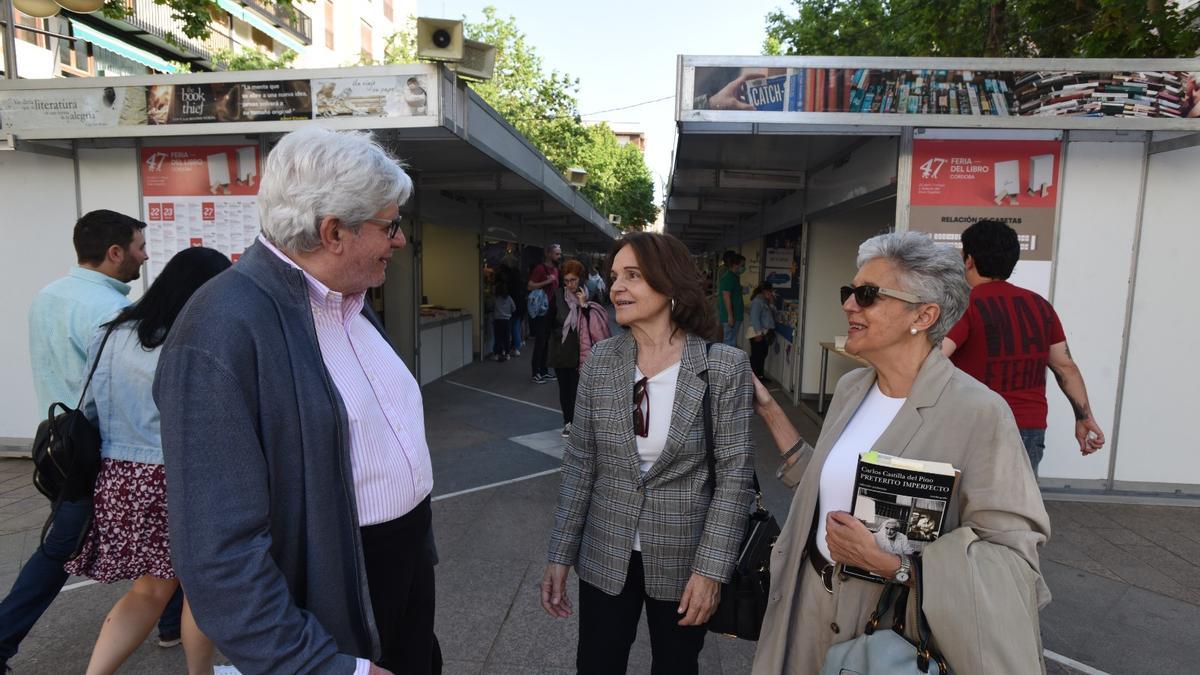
888, 652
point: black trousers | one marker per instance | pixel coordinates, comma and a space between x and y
758, 354
568, 387
502, 333
399, 561
540, 328
608, 627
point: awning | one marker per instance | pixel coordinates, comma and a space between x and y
125, 49
240, 12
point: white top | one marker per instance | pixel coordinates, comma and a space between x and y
837, 475
660, 389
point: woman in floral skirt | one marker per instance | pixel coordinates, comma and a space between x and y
128, 537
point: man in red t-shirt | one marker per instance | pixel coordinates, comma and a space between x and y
1010, 335
545, 277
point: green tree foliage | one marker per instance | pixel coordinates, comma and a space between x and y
618, 179
194, 15
542, 105
1017, 28
252, 59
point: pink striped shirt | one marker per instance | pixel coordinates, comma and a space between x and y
388, 453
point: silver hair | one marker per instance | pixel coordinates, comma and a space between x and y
314, 173
933, 272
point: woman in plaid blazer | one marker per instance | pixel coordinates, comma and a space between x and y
639, 514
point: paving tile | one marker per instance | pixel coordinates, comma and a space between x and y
531, 638
474, 595
462, 668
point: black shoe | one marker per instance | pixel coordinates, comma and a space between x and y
167, 639
538, 379
549, 376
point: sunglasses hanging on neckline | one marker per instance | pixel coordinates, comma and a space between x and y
641, 420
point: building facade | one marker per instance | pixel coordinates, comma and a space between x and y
147, 40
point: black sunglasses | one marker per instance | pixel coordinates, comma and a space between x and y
641, 421
867, 294
393, 224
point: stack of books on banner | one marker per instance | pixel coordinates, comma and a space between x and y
1139, 94
930, 92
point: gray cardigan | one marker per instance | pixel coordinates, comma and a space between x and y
264, 527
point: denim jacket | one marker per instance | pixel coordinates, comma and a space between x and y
120, 400
61, 321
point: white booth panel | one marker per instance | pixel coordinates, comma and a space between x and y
431, 354
38, 195
452, 347
1157, 442
108, 179
1101, 182
832, 250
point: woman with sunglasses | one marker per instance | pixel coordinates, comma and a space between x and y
640, 515
981, 575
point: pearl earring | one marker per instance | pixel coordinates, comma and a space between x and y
912, 330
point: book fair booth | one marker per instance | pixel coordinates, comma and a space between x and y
184, 154
793, 161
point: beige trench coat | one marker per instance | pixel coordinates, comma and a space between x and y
949, 417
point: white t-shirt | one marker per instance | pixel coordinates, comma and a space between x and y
660, 390
837, 475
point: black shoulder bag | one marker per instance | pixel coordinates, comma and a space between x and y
744, 599
66, 450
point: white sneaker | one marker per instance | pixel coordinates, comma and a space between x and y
226, 670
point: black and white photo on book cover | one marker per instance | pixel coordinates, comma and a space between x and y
902, 502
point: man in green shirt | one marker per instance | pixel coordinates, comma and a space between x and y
730, 310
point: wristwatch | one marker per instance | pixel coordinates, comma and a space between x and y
901, 575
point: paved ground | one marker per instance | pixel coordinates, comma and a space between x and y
1125, 599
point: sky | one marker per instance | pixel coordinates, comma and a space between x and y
624, 51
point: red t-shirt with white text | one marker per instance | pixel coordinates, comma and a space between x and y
1004, 342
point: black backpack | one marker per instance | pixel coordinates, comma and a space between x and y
66, 449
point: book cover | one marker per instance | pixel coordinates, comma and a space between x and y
796, 91
847, 87
821, 89
902, 501
767, 93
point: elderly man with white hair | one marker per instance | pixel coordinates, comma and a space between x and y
294, 436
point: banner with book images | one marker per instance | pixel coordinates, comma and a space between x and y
200, 195
957, 182
181, 101
902, 502
1161, 94
403, 96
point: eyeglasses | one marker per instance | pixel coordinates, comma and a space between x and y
866, 295
393, 224
641, 420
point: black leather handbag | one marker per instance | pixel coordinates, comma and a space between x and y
744, 598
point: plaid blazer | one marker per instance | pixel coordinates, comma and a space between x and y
686, 526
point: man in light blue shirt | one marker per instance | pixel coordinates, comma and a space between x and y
110, 248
